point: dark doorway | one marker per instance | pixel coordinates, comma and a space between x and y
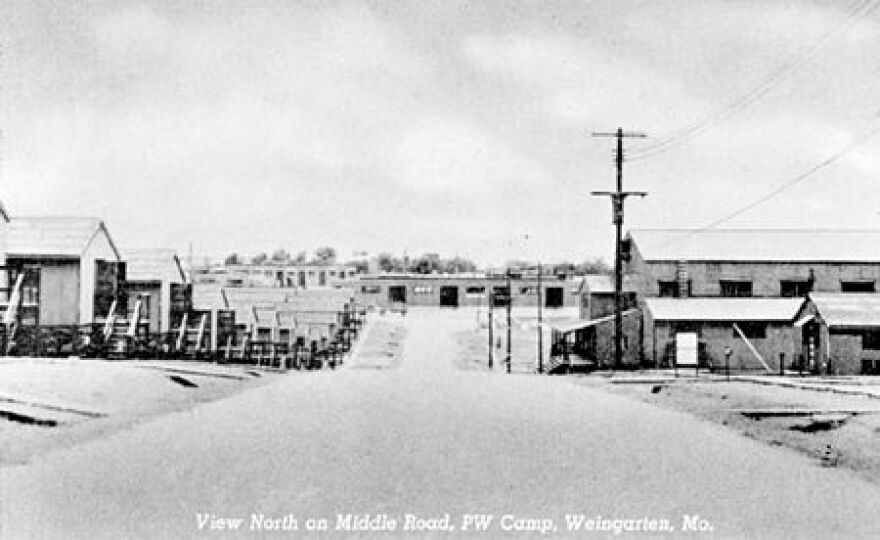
500, 296
397, 293
449, 296
809, 361
553, 296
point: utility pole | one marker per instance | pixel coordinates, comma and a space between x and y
491, 336
509, 305
617, 201
540, 319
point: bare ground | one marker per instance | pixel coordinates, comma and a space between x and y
48, 403
854, 444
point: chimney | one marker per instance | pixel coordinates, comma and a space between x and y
682, 277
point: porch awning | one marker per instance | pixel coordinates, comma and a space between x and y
566, 326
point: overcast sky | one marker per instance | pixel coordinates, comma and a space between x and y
458, 127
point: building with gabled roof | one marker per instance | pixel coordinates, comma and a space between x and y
841, 333
72, 268
156, 278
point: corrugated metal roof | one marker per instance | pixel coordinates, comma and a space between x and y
779, 245
848, 309
723, 309
53, 236
153, 265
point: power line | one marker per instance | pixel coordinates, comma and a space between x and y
784, 186
856, 10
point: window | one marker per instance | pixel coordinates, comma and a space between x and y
500, 296
528, 290
752, 330
794, 288
371, 289
857, 286
871, 340
736, 289
670, 288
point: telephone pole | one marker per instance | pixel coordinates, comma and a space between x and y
509, 306
540, 321
618, 198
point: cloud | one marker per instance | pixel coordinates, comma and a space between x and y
577, 82
449, 154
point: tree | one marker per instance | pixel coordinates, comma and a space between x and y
596, 265
428, 263
301, 257
232, 259
389, 263
459, 264
325, 255
360, 266
260, 258
280, 256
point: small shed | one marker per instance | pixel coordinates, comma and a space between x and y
72, 269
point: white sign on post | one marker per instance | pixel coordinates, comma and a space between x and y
686, 349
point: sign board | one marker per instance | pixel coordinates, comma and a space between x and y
686, 349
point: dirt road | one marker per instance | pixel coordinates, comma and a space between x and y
420, 436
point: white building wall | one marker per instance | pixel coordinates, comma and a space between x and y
100, 247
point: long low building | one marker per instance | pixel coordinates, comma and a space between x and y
756, 330
455, 290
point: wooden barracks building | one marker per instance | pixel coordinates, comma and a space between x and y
774, 297
70, 269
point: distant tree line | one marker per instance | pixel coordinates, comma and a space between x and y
596, 265
427, 263
322, 255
